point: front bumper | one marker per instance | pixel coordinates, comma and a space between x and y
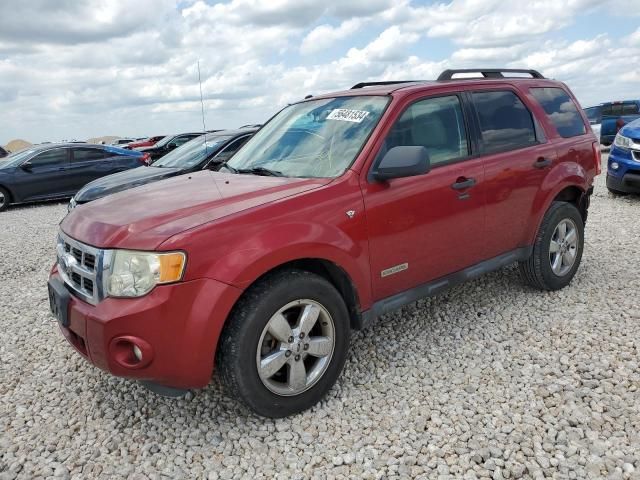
625, 178
628, 183
175, 328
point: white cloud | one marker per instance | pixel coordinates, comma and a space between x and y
82, 68
324, 36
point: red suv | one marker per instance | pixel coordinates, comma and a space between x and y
342, 208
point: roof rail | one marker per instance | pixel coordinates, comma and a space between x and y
389, 82
487, 73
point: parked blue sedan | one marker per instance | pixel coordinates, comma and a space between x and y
53, 171
623, 172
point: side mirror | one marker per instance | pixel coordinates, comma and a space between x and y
403, 161
27, 166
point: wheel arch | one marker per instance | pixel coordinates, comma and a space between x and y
330, 271
12, 196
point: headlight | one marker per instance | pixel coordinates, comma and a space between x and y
133, 274
623, 142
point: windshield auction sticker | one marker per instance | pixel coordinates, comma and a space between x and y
346, 115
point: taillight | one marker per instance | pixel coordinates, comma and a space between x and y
145, 158
619, 124
598, 156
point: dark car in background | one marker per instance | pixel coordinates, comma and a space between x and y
168, 143
208, 151
3, 152
616, 115
147, 142
51, 171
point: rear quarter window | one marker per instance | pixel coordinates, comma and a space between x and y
561, 110
630, 109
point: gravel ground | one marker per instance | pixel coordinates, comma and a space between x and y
490, 380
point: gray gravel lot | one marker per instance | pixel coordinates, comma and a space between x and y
490, 380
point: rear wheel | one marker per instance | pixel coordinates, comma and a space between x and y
5, 198
285, 343
557, 250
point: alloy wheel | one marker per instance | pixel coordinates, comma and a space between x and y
564, 247
295, 347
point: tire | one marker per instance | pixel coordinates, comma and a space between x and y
250, 337
617, 192
538, 269
5, 199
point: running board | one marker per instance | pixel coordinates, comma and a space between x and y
441, 284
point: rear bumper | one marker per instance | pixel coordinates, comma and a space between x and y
175, 327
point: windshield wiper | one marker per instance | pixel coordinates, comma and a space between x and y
228, 167
266, 172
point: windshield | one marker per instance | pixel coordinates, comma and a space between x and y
192, 153
318, 138
16, 159
165, 140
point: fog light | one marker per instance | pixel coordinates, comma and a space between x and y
614, 165
137, 352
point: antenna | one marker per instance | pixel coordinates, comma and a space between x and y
204, 127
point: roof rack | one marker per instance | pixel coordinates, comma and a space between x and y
487, 73
389, 82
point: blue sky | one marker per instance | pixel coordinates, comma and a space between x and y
85, 68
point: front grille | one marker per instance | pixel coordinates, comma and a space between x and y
80, 267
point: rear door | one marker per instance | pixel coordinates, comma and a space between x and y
424, 227
87, 164
517, 157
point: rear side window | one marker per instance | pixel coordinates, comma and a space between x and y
630, 109
505, 122
561, 110
434, 123
88, 154
612, 109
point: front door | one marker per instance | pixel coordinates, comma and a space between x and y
45, 175
424, 227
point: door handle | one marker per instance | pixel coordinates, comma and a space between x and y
542, 162
463, 183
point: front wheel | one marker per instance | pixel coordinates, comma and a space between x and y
557, 250
285, 343
5, 198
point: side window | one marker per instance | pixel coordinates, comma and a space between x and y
434, 123
561, 110
88, 154
630, 109
505, 122
182, 140
50, 157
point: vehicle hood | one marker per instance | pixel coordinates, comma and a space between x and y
144, 217
120, 181
145, 149
631, 130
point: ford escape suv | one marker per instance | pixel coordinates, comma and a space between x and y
343, 207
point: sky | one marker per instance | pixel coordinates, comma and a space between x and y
75, 69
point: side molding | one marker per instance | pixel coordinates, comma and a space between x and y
441, 284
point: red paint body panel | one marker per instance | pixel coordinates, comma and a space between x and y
180, 322
235, 228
